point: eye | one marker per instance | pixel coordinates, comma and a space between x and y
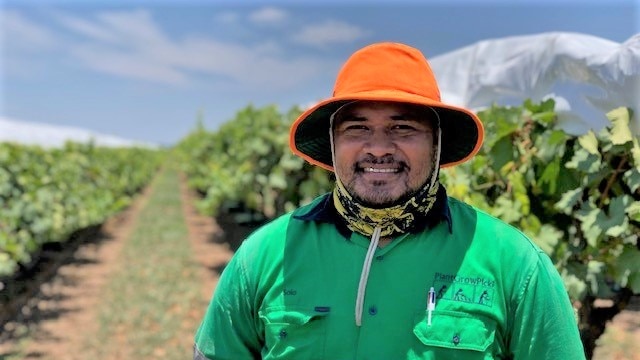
353, 128
403, 129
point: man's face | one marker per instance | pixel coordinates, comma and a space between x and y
383, 150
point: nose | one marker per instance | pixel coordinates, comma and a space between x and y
380, 143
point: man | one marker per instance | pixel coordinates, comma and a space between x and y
387, 266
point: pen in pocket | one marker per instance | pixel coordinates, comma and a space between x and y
431, 304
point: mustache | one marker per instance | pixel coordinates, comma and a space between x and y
379, 160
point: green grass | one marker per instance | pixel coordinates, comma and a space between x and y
148, 308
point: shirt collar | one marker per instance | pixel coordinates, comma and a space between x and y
325, 211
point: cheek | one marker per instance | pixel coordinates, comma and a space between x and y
343, 161
421, 158
345, 152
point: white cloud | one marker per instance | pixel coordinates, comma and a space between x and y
22, 34
21, 41
268, 15
329, 32
124, 43
137, 66
131, 44
85, 27
133, 26
246, 64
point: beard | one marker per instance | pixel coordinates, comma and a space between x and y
380, 193
377, 197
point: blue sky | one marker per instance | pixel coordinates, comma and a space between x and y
143, 70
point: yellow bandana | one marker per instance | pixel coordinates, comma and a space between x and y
394, 220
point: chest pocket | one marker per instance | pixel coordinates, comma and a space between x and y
294, 333
455, 334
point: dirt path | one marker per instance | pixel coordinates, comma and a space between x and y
210, 248
63, 313
621, 339
58, 321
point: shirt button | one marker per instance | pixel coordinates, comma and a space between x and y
456, 339
283, 334
380, 257
373, 310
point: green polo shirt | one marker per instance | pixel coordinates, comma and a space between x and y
290, 293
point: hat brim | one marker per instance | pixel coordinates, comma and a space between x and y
462, 131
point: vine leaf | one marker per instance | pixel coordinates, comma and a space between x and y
632, 178
502, 152
635, 153
551, 146
626, 269
593, 276
620, 131
576, 287
589, 142
588, 215
550, 175
508, 210
615, 222
569, 200
548, 238
584, 161
633, 211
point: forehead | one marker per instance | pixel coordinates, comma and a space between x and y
365, 109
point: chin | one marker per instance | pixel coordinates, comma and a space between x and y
377, 193
380, 194
378, 199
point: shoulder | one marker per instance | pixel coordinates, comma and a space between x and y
270, 233
490, 231
499, 245
269, 239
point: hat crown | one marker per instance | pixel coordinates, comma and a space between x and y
387, 67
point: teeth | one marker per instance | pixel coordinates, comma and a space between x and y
373, 170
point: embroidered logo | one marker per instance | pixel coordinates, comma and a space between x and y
468, 289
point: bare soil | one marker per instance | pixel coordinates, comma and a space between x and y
56, 323
59, 320
621, 339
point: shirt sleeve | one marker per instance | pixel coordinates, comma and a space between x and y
228, 329
544, 324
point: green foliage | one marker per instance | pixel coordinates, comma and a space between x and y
577, 197
247, 163
46, 195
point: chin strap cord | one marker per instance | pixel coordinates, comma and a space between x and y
364, 276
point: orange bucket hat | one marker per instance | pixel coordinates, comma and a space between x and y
386, 72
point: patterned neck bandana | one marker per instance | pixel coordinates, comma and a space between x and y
393, 220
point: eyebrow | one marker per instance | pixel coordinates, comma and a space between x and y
408, 116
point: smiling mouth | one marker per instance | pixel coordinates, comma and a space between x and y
380, 171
